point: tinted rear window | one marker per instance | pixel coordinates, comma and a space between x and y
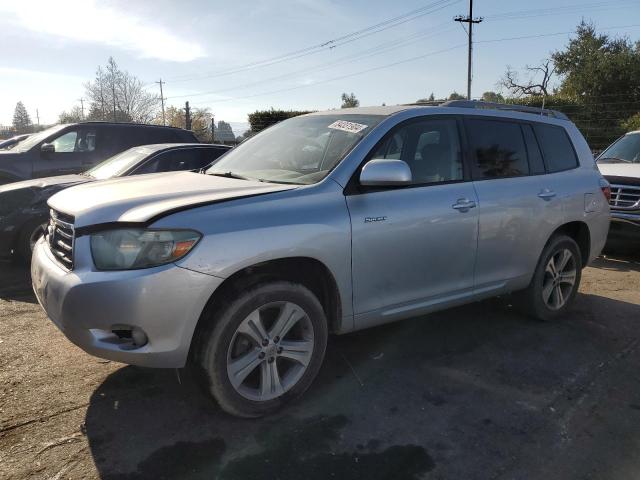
556, 148
497, 148
533, 150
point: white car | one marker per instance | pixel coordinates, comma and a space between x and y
620, 165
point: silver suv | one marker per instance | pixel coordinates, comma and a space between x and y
326, 223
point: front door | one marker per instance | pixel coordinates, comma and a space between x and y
74, 152
415, 246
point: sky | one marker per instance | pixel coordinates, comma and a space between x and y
291, 54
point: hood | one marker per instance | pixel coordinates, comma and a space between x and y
620, 169
141, 198
61, 180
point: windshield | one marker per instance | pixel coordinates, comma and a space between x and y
36, 138
624, 150
120, 163
301, 150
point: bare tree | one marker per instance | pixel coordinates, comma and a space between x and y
119, 96
536, 83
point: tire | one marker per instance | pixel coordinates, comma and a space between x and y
541, 299
230, 338
28, 236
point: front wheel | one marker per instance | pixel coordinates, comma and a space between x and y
263, 349
556, 280
29, 235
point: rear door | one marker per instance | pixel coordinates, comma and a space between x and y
518, 207
74, 152
414, 246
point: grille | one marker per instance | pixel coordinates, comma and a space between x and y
625, 197
60, 236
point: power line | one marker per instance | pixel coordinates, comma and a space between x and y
311, 84
568, 32
362, 72
369, 52
329, 44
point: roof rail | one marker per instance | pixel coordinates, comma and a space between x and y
505, 106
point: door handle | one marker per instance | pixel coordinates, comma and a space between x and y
547, 194
463, 205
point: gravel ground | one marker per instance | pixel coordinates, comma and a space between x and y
478, 392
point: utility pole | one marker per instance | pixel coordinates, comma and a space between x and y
82, 106
187, 116
164, 122
469, 20
213, 129
38, 117
113, 97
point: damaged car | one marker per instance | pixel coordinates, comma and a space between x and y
324, 223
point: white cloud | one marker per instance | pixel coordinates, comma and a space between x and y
88, 21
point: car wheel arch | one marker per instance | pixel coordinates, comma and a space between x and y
307, 271
580, 233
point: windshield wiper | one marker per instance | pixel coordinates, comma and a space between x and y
284, 182
230, 175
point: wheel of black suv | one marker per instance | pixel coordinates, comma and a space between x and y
29, 235
556, 279
263, 349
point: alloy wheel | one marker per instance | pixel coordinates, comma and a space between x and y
270, 351
559, 279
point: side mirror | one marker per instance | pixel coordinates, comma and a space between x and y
47, 148
385, 173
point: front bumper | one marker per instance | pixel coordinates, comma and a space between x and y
164, 302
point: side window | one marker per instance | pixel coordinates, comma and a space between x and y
533, 151
172, 161
431, 148
556, 148
66, 143
497, 149
212, 155
81, 140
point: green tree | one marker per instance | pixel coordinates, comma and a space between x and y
261, 119
349, 100
21, 119
492, 97
632, 123
456, 96
597, 65
601, 74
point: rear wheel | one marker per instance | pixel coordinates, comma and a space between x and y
262, 350
556, 280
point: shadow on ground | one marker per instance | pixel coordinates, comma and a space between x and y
618, 261
15, 282
461, 394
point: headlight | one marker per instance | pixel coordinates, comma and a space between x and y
131, 248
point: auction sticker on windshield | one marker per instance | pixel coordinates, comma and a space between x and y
349, 127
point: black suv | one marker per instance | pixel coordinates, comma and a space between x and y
76, 147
